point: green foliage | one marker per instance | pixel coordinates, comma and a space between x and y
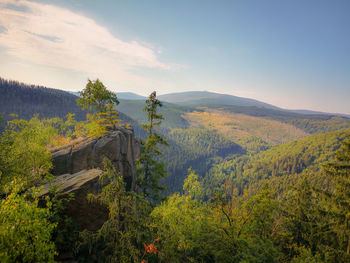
25, 231
302, 225
258, 213
203, 142
119, 239
181, 224
24, 158
306, 223
91, 127
150, 169
24, 148
313, 126
153, 117
192, 231
109, 118
305, 256
308, 228
195, 148
65, 234
254, 144
23, 151
282, 164
96, 96
339, 170
191, 185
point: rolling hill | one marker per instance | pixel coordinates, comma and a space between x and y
130, 96
212, 99
198, 98
239, 126
309, 123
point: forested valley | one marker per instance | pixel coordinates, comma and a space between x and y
214, 180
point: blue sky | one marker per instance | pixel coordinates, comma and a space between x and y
293, 54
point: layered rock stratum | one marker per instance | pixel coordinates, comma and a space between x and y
77, 167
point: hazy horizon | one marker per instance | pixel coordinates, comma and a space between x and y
294, 55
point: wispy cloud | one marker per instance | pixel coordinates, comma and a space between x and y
57, 37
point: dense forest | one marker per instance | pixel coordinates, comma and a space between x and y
27, 100
196, 148
241, 187
283, 165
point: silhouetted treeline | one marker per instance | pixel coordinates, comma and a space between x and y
26, 100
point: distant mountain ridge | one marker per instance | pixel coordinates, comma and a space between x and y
213, 99
312, 112
130, 96
120, 95
205, 97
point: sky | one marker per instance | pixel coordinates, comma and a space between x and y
292, 54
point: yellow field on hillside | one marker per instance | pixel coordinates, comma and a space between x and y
238, 126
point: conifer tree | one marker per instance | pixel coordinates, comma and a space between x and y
150, 169
340, 196
109, 118
302, 224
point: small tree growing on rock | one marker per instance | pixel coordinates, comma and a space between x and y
98, 98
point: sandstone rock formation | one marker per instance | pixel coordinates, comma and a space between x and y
90, 216
119, 146
77, 167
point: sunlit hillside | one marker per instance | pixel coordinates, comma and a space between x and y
240, 126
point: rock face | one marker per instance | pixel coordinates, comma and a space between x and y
119, 146
88, 215
71, 183
77, 167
